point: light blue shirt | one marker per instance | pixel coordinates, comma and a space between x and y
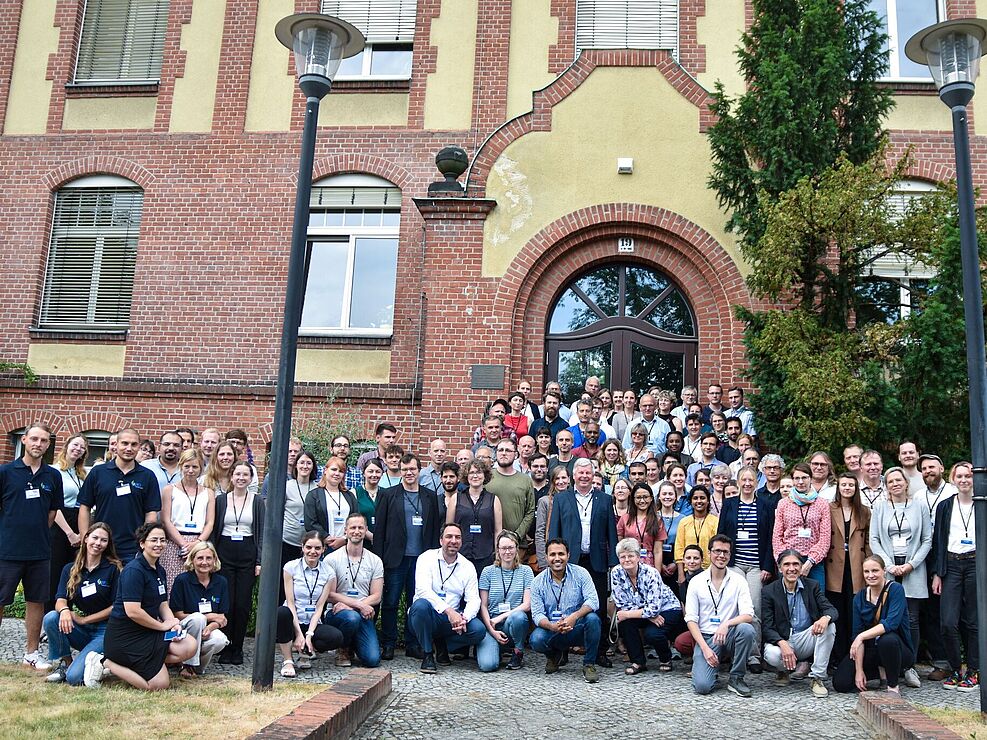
657, 428
568, 597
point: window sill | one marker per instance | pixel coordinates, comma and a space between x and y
370, 85
314, 340
120, 89
79, 334
910, 88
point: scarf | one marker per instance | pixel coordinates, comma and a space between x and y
803, 499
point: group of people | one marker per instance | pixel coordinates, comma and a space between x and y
614, 526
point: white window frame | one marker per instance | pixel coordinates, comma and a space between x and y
350, 234
126, 61
384, 23
895, 43
95, 183
611, 20
96, 439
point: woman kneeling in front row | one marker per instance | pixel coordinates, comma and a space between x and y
143, 636
882, 643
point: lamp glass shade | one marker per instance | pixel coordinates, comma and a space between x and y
953, 56
318, 50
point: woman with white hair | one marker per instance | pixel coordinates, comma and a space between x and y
648, 613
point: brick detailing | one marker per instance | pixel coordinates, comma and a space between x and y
493, 40
544, 100
10, 20
335, 713
667, 242
892, 717
423, 61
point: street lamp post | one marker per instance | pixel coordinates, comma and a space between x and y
952, 50
319, 43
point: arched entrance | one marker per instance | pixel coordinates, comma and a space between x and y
627, 324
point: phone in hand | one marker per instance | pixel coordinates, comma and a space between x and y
176, 634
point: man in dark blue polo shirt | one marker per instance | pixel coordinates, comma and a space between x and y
124, 494
30, 495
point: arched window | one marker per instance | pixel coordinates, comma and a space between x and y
627, 324
89, 277
353, 256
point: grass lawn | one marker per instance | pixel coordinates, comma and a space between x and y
963, 722
207, 707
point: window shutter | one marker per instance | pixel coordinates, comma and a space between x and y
355, 197
89, 279
627, 24
379, 20
122, 40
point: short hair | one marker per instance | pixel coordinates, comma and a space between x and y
384, 427
145, 529
722, 539
516, 394
628, 544
736, 389
334, 439
409, 457
394, 450
697, 548
509, 441
720, 469
637, 464
675, 432
582, 462
42, 427
557, 541
537, 456
169, 433
870, 453
737, 419
639, 427
543, 431
564, 431
447, 525
693, 417
707, 435
492, 417
787, 554
187, 430
773, 458
196, 549
449, 465
554, 395
354, 515
237, 433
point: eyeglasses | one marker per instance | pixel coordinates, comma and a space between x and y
719, 552
507, 548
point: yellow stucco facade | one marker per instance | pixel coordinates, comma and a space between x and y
449, 90
30, 91
66, 358
543, 176
109, 113
533, 31
195, 91
272, 84
343, 366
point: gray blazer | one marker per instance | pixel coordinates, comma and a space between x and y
919, 544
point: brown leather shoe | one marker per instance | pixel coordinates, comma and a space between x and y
938, 674
343, 658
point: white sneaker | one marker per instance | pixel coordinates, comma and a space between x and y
912, 680
93, 675
36, 661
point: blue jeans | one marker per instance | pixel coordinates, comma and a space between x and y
427, 624
818, 574
396, 580
739, 643
359, 633
586, 632
86, 638
515, 627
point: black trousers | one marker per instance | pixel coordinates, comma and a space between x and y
888, 651
602, 585
843, 601
324, 639
959, 613
62, 553
239, 560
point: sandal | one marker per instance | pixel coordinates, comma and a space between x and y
665, 667
633, 669
187, 671
288, 669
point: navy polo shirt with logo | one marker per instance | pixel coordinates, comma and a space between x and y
187, 594
103, 492
26, 499
141, 583
96, 589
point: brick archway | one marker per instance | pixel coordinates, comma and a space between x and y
665, 241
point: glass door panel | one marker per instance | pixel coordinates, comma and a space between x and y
650, 367
574, 366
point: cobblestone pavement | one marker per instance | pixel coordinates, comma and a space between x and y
459, 700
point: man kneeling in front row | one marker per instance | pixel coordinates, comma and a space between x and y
563, 608
719, 612
444, 579
797, 624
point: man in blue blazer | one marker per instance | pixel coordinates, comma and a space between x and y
584, 519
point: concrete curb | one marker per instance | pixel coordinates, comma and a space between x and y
893, 717
336, 712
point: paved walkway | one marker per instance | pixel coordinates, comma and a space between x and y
459, 699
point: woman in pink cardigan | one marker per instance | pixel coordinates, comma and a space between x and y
802, 523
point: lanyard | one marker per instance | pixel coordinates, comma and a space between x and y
894, 513
714, 505
349, 567
965, 521
635, 583
298, 486
164, 472
337, 500
236, 517
507, 586
935, 501
311, 589
74, 478
699, 530
867, 496
716, 604
640, 535
804, 513
477, 506
667, 521
584, 510
193, 500
412, 504
442, 581
751, 512
558, 596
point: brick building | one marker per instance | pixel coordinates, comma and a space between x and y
149, 152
